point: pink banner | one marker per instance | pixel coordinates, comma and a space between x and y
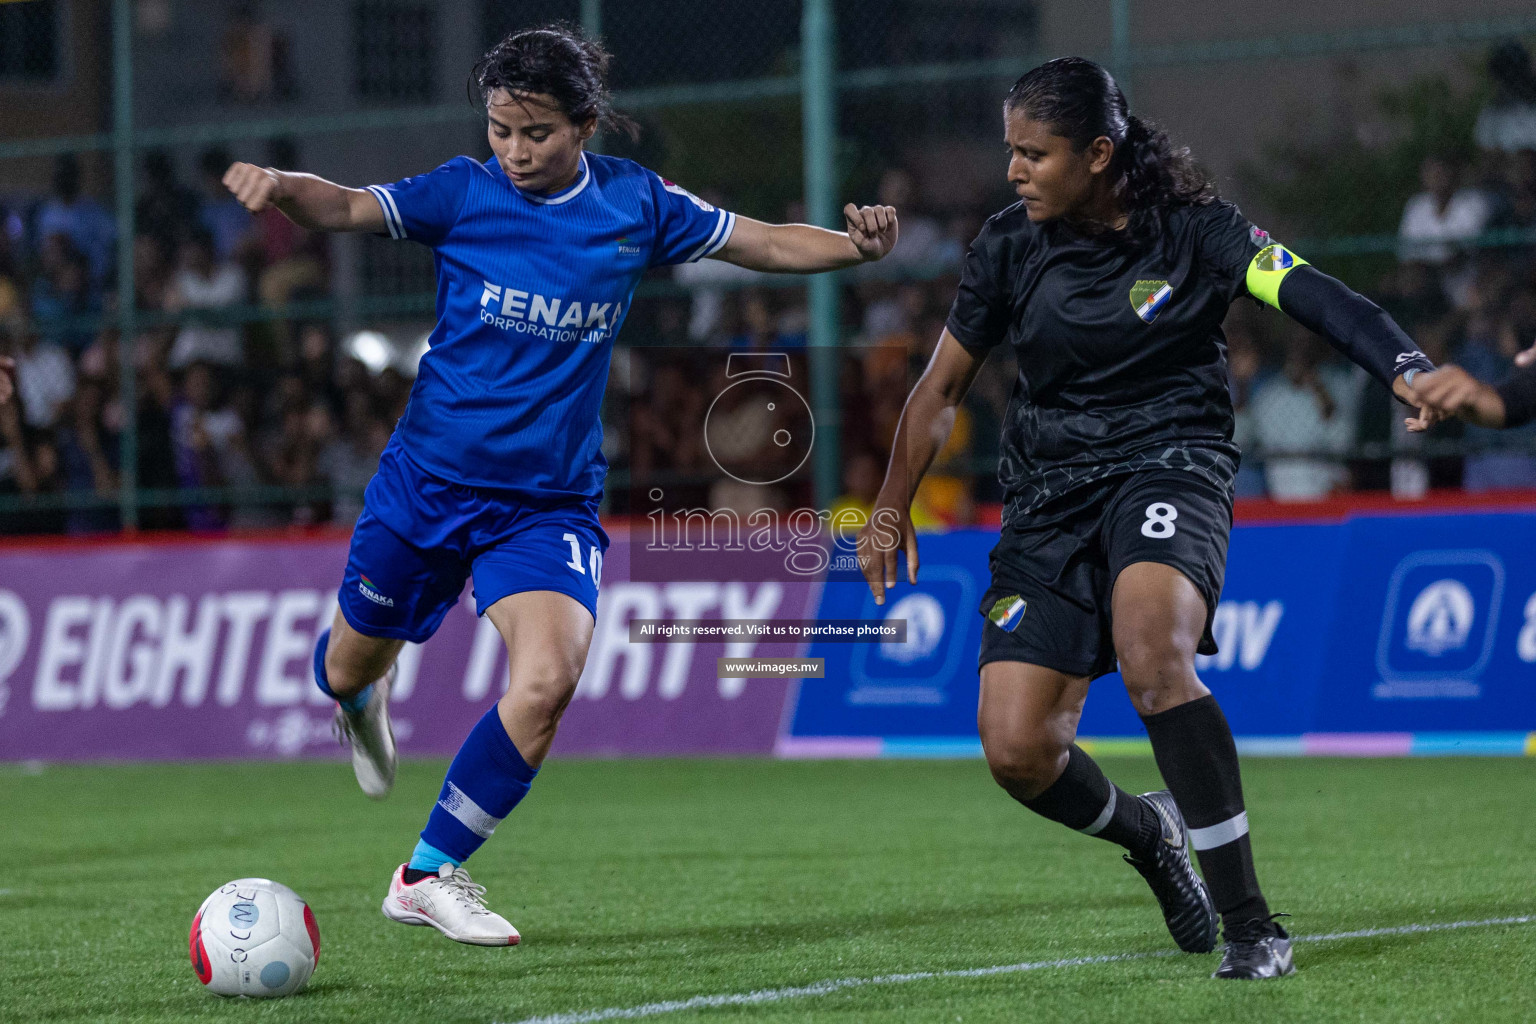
201, 649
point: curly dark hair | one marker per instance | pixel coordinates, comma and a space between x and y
1081, 101
559, 61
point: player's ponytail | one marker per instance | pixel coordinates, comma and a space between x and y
1081, 101
559, 61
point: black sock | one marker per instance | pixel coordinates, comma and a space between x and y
412, 876
1195, 752
1085, 800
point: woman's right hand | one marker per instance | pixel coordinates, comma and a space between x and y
256, 187
888, 531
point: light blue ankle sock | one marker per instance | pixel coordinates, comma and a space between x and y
427, 857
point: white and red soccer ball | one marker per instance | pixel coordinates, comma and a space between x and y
254, 937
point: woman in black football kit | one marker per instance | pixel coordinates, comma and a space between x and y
1110, 279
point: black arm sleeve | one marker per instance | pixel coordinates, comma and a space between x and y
978, 319
1352, 323
1519, 395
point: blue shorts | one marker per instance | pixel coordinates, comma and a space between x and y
420, 537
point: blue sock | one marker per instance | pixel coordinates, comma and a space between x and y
485, 781
427, 857
355, 703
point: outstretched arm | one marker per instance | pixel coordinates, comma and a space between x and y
310, 202
1353, 324
804, 249
922, 431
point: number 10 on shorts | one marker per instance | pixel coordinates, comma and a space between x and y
1159, 524
596, 560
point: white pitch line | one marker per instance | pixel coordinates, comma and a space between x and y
821, 988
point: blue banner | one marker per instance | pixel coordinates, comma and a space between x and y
1379, 634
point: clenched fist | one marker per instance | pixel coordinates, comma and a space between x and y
872, 229
256, 187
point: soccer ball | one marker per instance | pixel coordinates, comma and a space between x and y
254, 937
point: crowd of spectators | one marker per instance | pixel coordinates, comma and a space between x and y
230, 396
224, 398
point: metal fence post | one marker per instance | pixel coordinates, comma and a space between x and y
592, 25
1120, 43
818, 105
122, 165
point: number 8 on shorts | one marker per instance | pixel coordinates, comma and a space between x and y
1160, 517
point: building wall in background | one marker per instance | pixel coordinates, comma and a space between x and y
74, 103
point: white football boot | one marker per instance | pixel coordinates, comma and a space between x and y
372, 740
450, 902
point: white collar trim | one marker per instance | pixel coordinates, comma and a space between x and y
571, 191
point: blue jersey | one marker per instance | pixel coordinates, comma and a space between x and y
531, 290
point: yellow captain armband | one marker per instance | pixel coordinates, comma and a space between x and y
1268, 269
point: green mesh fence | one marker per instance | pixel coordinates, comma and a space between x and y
128, 433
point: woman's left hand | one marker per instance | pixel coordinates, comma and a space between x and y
872, 229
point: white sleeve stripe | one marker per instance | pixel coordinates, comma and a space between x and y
391, 214
378, 197
399, 224
384, 209
725, 236
698, 253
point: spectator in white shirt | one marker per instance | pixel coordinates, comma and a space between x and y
1309, 410
45, 381
1508, 123
202, 283
1441, 216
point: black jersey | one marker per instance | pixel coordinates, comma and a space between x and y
1122, 360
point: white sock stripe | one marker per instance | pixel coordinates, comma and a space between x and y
1098, 823
1221, 833
457, 803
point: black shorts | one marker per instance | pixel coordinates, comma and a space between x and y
1053, 572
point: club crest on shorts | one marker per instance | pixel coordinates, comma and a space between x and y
1008, 612
1149, 297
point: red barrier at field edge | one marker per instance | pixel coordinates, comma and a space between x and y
186, 648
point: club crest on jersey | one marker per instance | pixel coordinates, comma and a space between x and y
1275, 257
678, 190
1008, 612
1149, 297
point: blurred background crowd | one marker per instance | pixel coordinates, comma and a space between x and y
247, 378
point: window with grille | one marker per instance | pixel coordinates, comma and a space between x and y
396, 51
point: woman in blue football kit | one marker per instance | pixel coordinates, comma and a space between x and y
495, 471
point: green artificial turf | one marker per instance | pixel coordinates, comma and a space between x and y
636, 882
